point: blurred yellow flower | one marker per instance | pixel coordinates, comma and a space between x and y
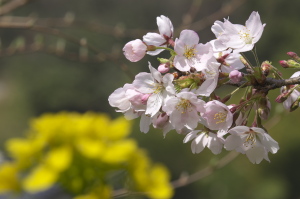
80, 152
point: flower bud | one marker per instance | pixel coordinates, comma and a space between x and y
293, 55
289, 64
164, 68
282, 97
266, 67
235, 76
161, 121
135, 50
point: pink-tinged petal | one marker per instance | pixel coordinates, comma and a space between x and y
189, 37
165, 26
145, 123
154, 103
190, 136
256, 154
232, 142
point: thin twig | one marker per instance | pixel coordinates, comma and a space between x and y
12, 5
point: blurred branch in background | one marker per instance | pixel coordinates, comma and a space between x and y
12, 5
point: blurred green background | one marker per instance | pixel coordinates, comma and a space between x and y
32, 83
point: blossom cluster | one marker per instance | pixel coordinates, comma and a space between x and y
79, 153
180, 94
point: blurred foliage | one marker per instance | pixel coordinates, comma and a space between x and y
32, 83
88, 155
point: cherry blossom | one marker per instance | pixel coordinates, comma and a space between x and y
183, 110
213, 141
135, 50
165, 28
216, 116
254, 142
159, 87
238, 37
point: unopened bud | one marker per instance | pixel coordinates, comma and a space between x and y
295, 104
235, 76
163, 60
282, 97
163, 68
161, 121
266, 67
289, 64
293, 55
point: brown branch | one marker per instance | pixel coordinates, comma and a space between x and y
12, 5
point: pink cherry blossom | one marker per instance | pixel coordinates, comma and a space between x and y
216, 116
183, 110
135, 50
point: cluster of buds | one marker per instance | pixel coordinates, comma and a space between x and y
180, 94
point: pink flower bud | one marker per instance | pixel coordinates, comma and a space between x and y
135, 50
161, 121
293, 55
235, 76
284, 64
163, 68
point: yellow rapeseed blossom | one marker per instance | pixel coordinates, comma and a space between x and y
80, 152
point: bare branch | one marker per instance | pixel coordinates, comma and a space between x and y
12, 5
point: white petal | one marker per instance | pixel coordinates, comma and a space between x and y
232, 142
256, 154
145, 123
190, 136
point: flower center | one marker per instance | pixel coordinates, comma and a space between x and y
220, 117
251, 138
245, 35
184, 105
158, 88
189, 53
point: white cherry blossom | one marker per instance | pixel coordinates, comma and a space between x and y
293, 96
252, 141
159, 87
183, 110
238, 37
211, 140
